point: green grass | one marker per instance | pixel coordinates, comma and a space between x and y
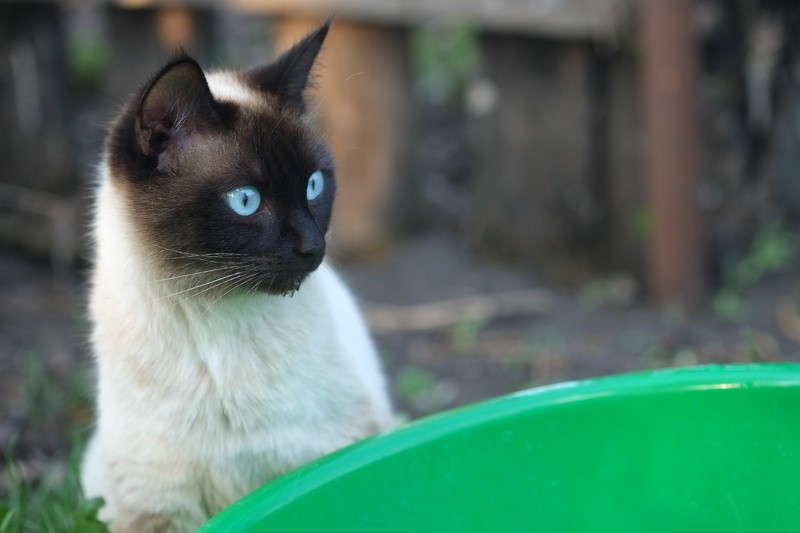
464, 335
50, 499
771, 252
52, 504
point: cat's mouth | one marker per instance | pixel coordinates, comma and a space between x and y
283, 285
285, 282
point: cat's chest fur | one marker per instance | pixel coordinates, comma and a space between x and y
235, 363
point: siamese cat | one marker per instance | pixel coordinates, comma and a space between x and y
227, 350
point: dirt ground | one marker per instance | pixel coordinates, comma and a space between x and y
599, 329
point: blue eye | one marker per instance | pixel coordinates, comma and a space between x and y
243, 200
316, 183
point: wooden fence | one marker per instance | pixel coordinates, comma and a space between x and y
556, 172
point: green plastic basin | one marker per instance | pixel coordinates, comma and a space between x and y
698, 449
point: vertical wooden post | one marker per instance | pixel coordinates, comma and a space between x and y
672, 151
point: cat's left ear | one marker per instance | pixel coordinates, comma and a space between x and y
176, 105
289, 75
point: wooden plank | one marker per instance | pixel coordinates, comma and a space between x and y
569, 19
38, 174
533, 184
627, 222
563, 19
143, 40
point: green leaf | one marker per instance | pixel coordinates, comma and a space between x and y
464, 335
415, 382
727, 305
6, 515
444, 58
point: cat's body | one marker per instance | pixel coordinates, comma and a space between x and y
216, 377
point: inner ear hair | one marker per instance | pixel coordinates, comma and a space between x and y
176, 102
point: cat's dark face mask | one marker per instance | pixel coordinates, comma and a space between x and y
230, 194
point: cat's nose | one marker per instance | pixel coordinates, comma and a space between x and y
310, 242
311, 246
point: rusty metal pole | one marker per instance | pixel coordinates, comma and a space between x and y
675, 254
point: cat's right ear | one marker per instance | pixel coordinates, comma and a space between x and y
176, 105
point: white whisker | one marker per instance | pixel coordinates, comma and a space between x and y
228, 267
213, 283
192, 254
274, 128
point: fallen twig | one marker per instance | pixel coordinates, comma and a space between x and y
385, 319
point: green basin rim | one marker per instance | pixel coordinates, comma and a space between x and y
273, 496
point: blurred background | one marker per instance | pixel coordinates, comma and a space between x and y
529, 191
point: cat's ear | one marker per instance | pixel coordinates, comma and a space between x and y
290, 74
175, 105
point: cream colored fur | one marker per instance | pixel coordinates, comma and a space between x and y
201, 401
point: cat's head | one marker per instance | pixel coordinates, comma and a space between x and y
226, 180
